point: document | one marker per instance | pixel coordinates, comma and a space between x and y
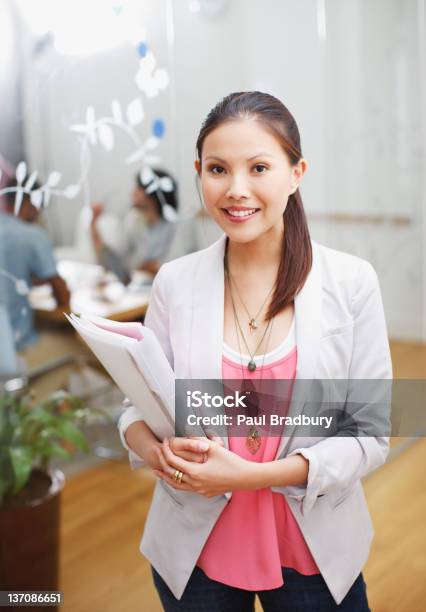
133, 357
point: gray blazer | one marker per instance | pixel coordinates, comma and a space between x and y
340, 334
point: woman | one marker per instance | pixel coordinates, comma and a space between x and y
155, 196
284, 517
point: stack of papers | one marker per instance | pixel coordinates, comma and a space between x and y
133, 357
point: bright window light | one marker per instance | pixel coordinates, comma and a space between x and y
83, 27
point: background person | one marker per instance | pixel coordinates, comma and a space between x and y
144, 250
28, 259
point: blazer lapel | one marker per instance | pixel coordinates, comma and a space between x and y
208, 297
208, 313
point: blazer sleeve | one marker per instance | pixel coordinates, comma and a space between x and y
339, 461
157, 319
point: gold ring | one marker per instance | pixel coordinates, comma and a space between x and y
177, 476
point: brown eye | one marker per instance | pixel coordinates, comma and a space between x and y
260, 168
216, 169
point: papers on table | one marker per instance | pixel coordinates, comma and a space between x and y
133, 357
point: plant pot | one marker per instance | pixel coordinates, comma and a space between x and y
29, 536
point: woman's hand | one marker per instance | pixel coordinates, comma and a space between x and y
97, 210
192, 452
142, 441
191, 448
222, 472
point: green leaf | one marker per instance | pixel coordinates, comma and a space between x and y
55, 450
71, 432
31, 433
21, 459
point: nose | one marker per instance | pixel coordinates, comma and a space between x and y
238, 188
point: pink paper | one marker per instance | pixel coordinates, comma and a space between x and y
131, 330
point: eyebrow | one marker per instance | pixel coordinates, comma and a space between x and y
249, 159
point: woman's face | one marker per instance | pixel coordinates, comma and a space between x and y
139, 198
246, 179
144, 203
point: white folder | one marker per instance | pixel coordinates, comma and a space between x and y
133, 357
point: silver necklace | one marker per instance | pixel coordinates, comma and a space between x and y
252, 320
253, 440
251, 364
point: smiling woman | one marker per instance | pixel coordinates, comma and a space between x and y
257, 512
252, 191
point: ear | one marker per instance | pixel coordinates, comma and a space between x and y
197, 166
298, 171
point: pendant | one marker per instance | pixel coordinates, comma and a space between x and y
251, 365
252, 324
253, 441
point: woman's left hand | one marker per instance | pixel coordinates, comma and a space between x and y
222, 472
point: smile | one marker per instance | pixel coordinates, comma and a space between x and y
241, 214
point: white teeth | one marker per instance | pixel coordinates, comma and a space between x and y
241, 213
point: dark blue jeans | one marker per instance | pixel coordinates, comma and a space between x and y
298, 594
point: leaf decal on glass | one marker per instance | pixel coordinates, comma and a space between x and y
146, 175
106, 136
135, 112
151, 143
152, 187
161, 78
21, 172
18, 200
117, 113
135, 156
30, 182
71, 191
169, 213
47, 195
53, 178
166, 183
90, 115
36, 198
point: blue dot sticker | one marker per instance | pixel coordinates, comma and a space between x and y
142, 49
158, 128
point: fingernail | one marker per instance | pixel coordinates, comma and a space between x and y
203, 446
166, 441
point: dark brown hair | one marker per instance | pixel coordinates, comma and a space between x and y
166, 197
296, 254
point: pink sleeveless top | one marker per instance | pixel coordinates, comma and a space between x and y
257, 534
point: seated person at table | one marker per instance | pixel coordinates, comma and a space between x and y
156, 198
27, 259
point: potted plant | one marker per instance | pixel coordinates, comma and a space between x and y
31, 434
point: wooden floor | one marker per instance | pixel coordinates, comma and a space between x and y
104, 510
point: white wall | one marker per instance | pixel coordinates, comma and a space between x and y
61, 87
11, 141
375, 147
347, 69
